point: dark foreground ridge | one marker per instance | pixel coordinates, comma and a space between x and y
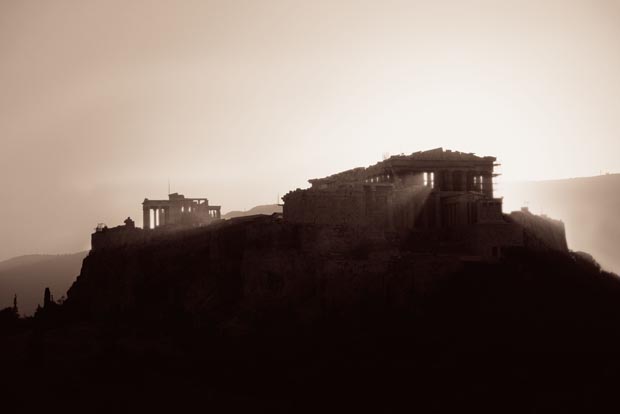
263, 315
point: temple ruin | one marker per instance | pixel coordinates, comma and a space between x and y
178, 210
167, 216
429, 189
438, 200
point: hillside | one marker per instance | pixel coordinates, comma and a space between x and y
588, 207
267, 209
27, 276
264, 316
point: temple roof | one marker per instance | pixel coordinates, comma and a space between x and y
436, 154
440, 154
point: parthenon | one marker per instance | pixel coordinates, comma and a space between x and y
426, 189
178, 210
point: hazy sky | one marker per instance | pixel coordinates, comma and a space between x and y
101, 102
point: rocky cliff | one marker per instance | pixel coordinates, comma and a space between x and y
255, 314
253, 266
239, 272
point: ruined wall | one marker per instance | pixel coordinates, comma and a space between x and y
365, 206
491, 239
412, 207
541, 232
117, 236
490, 210
387, 208
358, 206
121, 236
462, 209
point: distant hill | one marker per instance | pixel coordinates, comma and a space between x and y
28, 276
267, 209
589, 207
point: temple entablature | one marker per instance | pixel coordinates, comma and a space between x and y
441, 170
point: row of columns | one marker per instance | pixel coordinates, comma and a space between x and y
215, 212
160, 217
156, 216
462, 180
447, 180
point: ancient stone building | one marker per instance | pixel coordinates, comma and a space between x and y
167, 216
430, 189
439, 201
178, 210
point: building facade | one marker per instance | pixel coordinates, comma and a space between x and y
424, 190
178, 210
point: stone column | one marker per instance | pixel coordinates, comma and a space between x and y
438, 223
460, 180
438, 177
146, 217
417, 178
472, 181
162, 216
447, 182
487, 184
456, 180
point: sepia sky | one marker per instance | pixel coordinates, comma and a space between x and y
101, 102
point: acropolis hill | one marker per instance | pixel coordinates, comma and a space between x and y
410, 219
374, 276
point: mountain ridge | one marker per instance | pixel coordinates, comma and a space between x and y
266, 209
28, 275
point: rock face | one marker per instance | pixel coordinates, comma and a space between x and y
240, 271
541, 232
255, 265
285, 317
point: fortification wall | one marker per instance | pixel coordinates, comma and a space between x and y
117, 236
541, 232
489, 239
360, 206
